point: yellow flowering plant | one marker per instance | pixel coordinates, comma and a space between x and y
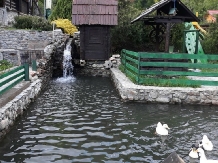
65, 25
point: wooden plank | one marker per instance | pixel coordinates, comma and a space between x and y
127, 52
178, 81
11, 72
134, 69
132, 60
179, 64
177, 73
178, 56
11, 78
10, 86
131, 75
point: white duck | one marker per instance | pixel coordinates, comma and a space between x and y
162, 129
206, 144
193, 152
203, 158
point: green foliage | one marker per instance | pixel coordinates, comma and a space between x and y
177, 36
126, 35
62, 9
5, 65
143, 4
210, 42
23, 22
32, 22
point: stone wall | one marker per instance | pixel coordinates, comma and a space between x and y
26, 39
39, 80
206, 95
14, 108
11, 55
7, 16
98, 68
46, 65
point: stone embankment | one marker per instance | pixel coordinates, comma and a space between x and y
14, 108
14, 102
129, 91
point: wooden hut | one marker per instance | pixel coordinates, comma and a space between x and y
168, 13
11, 8
21, 6
94, 19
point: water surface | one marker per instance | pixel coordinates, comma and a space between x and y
86, 121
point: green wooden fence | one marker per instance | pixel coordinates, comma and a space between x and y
13, 77
137, 66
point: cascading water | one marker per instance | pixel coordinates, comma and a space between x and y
67, 62
67, 65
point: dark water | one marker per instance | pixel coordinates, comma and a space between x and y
86, 121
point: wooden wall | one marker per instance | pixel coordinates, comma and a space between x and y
94, 42
18, 5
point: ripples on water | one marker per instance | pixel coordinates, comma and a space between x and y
85, 121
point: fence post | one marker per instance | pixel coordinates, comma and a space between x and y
184, 41
26, 71
125, 61
139, 60
196, 45
34, 68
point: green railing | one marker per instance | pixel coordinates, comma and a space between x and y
13, 77
140, 66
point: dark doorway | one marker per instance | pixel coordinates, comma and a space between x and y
2, 3
96, 42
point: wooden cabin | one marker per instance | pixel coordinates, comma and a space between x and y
11, 8
94, 19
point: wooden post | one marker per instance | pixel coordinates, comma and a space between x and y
196, 46
157, 29
167, 38
139, 60
34, 66
26, 69
184, 41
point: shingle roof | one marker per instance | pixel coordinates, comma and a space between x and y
95, 12
182, 10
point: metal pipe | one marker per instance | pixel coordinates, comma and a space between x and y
45, 8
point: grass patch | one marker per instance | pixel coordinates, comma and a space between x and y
4, 65
159, 81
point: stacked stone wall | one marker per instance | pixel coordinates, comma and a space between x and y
206, 95
39, 79
25, 39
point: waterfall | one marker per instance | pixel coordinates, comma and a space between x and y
67, 62
67, 65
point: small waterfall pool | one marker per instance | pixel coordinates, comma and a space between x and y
86, 121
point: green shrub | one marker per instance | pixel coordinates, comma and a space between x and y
5, 65
210, 42
23, 22
32, 22
129, 36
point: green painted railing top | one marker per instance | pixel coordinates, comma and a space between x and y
13, 77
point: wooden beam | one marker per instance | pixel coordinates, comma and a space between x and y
167, 37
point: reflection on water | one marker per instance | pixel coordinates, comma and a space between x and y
86, 121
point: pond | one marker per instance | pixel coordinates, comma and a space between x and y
86, 121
